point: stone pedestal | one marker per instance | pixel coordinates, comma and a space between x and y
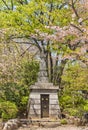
36, 110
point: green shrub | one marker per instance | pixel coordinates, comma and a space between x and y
73, 103
66, 101
8, 110
63, 121
86, 107
72, 111
16, 89
23, 105
24, 100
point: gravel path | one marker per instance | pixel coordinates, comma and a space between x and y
67, 127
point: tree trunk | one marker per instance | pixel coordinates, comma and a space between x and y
58, 72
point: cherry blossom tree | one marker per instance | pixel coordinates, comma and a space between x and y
58, 29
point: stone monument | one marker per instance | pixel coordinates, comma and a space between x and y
43, 96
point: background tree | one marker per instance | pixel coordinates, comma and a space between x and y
17, 73
74, 99
27, 19
30, 19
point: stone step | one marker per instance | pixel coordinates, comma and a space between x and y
45, 120
40, 122
46, 123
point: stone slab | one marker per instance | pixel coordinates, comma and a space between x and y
41, 91
34, 111
35, 101
53, 96
35, 106
41, 85
34, 96
53, 102
54, 107
54, 112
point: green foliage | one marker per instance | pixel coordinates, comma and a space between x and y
28, 72
16, 75
66, 100
75, 76
74, 81
72, 111
63, 121
25, 18
8, 110
74, 104
23, 106
18, 92
24, 100
86, 106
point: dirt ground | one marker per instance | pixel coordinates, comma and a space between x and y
64, 127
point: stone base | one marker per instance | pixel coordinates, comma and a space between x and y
35, 100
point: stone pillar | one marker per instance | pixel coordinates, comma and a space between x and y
42, 75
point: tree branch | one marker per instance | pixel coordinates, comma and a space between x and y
26, 50
77, 28
84, 20
62, 5
37, 44
20, 1
12, 4
43, 45
74, 9
6, 4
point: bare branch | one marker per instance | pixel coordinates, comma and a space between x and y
37, 44
74, 9
26, 50
20, 1
6, 4
77, 28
